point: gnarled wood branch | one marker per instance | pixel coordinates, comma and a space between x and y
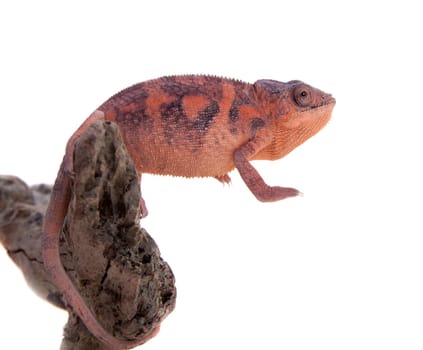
114, 262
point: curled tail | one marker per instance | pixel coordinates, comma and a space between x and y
53, 222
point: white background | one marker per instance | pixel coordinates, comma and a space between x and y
340, 268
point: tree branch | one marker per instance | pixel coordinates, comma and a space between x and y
114, 263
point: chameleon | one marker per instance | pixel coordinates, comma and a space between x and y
191, 126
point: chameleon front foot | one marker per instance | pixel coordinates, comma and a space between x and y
277, 193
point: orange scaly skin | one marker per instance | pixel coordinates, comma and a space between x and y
192, 126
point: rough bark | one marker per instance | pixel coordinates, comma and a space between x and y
114, 262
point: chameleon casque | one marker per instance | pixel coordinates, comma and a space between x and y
192, 126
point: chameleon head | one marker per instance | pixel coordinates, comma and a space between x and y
297, 111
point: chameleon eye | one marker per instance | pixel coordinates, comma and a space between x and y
303, 96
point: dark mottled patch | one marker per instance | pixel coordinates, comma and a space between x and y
172, 112
177, 123
233, 131
234, 113
136, 118
255, 124
206, 116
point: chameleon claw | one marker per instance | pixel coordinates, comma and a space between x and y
225, 179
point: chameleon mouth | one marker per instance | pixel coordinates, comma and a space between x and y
328, 100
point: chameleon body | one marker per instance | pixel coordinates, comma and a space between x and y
192, 126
